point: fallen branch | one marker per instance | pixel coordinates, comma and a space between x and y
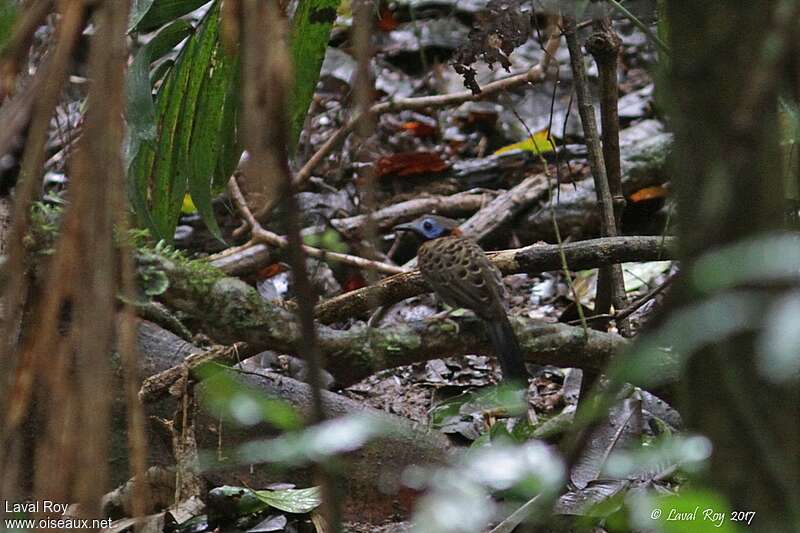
535, 258
454, 205
251, 256
645, 150
233, 311
242, 260
501, 210
368, 469
505, 207
268, 237
158, 385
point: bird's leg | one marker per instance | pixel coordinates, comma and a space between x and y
447, 312
444, 316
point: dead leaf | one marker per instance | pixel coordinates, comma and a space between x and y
418, 129
407, 164
648, 193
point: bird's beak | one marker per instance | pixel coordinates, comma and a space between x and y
404, 227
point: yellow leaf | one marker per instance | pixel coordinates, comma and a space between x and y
188, 207
538, 143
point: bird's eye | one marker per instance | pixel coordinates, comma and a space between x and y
427, 225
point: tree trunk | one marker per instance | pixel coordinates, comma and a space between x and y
728, 67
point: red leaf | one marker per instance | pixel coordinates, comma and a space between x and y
270, 270
418, 129
354, 281
386, 20
410, 164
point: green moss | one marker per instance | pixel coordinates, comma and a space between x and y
161, 267
239, 305
200, 275
398, 340
45, 228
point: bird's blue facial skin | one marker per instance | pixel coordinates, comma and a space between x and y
431, 229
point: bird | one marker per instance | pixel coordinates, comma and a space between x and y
460, 273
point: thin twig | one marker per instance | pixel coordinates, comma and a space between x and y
610, 280
635, 306
517, 517
364, 89
604, 45
641, 25
268, 237
15, 49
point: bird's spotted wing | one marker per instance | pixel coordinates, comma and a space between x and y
461, 274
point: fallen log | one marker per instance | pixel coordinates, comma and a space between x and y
373, 472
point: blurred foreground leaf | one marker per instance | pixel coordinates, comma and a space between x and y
311, 29
234, 401
691, 511
315, 444
458, 497
8, 15
292, 500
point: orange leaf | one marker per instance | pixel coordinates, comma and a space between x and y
648, 193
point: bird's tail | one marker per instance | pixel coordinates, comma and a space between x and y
507, 348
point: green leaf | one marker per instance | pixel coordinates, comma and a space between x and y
8, 15
187, 142
230, 150
311, 30
160, 72
761, 259
166, 179
499, 432
238, 501
580, 8
660, 356
168, 38
162, 11
192, 107
317, 443
141, 112
329, 240
139, 9
204, 150
292, 500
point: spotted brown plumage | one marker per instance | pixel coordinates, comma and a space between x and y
458, 270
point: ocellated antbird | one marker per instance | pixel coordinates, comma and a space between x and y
458, 270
